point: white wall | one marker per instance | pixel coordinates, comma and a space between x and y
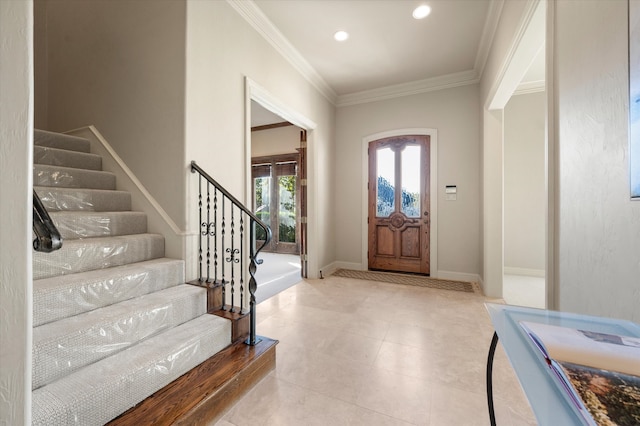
497, 75
121, 67
164, 82
16, 159
455, 114
524, 184
281, 140
222, 49
599, 227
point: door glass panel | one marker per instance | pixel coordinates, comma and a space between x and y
410, 158
287, 210
261, 188
386, 193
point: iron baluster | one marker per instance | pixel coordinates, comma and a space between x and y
233, 255
208, 230
200, 222
231, 259
224, 282
241, 262
215, 239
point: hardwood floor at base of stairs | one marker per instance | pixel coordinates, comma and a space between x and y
203, 394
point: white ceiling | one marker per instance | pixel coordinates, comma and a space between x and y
387, 46
388, 53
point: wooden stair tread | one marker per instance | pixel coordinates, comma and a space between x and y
203, 394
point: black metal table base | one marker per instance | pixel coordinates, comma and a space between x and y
492, 351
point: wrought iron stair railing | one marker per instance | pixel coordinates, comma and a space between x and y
222, 246
48, 237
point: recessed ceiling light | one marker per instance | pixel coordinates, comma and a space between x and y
421, 12
341, 35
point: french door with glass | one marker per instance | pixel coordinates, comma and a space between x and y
398, 214
276, 200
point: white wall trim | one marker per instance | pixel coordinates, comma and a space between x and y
508, 270
488, 33
255, 92
459, 276
259, 22
334, 266
157, 218
433, 192
411, 88
530, 87
526, 43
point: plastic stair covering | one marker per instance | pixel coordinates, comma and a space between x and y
75, 225
73, 199
96, 394
64, 346
97, 253
55, 298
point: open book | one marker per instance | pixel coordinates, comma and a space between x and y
600, 373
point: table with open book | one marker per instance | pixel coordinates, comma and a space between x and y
574, 369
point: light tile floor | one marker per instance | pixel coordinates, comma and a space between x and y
356, 352
524, 290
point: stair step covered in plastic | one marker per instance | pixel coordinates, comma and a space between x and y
69, 177
78, 199
66, 158
101, 391
97, 253
75, 225
64, 296
60, 141
64, 346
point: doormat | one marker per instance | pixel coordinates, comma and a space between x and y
415, 280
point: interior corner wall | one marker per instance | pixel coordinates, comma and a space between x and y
455, 114
222, 51
121, 67
599, 227
524, 183
491, 246
16, 162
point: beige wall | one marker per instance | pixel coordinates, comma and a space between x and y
164, 82
222, 49
524, 184
455, 114
16, 158
500, 77
120, 66
281, 140
599, 227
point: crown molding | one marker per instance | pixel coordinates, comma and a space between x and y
530, 87
488, 33
407, 89
258, 21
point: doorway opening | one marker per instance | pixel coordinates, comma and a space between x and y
277, 135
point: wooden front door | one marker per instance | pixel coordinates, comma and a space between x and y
399, 204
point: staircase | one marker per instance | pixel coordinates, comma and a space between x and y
113, 320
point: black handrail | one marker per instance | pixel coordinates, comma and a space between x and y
234, 253
48, 238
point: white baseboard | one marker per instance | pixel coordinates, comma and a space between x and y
334, 266
524, 271
458, 276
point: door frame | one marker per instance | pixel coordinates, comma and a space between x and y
433, 192
253, 91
